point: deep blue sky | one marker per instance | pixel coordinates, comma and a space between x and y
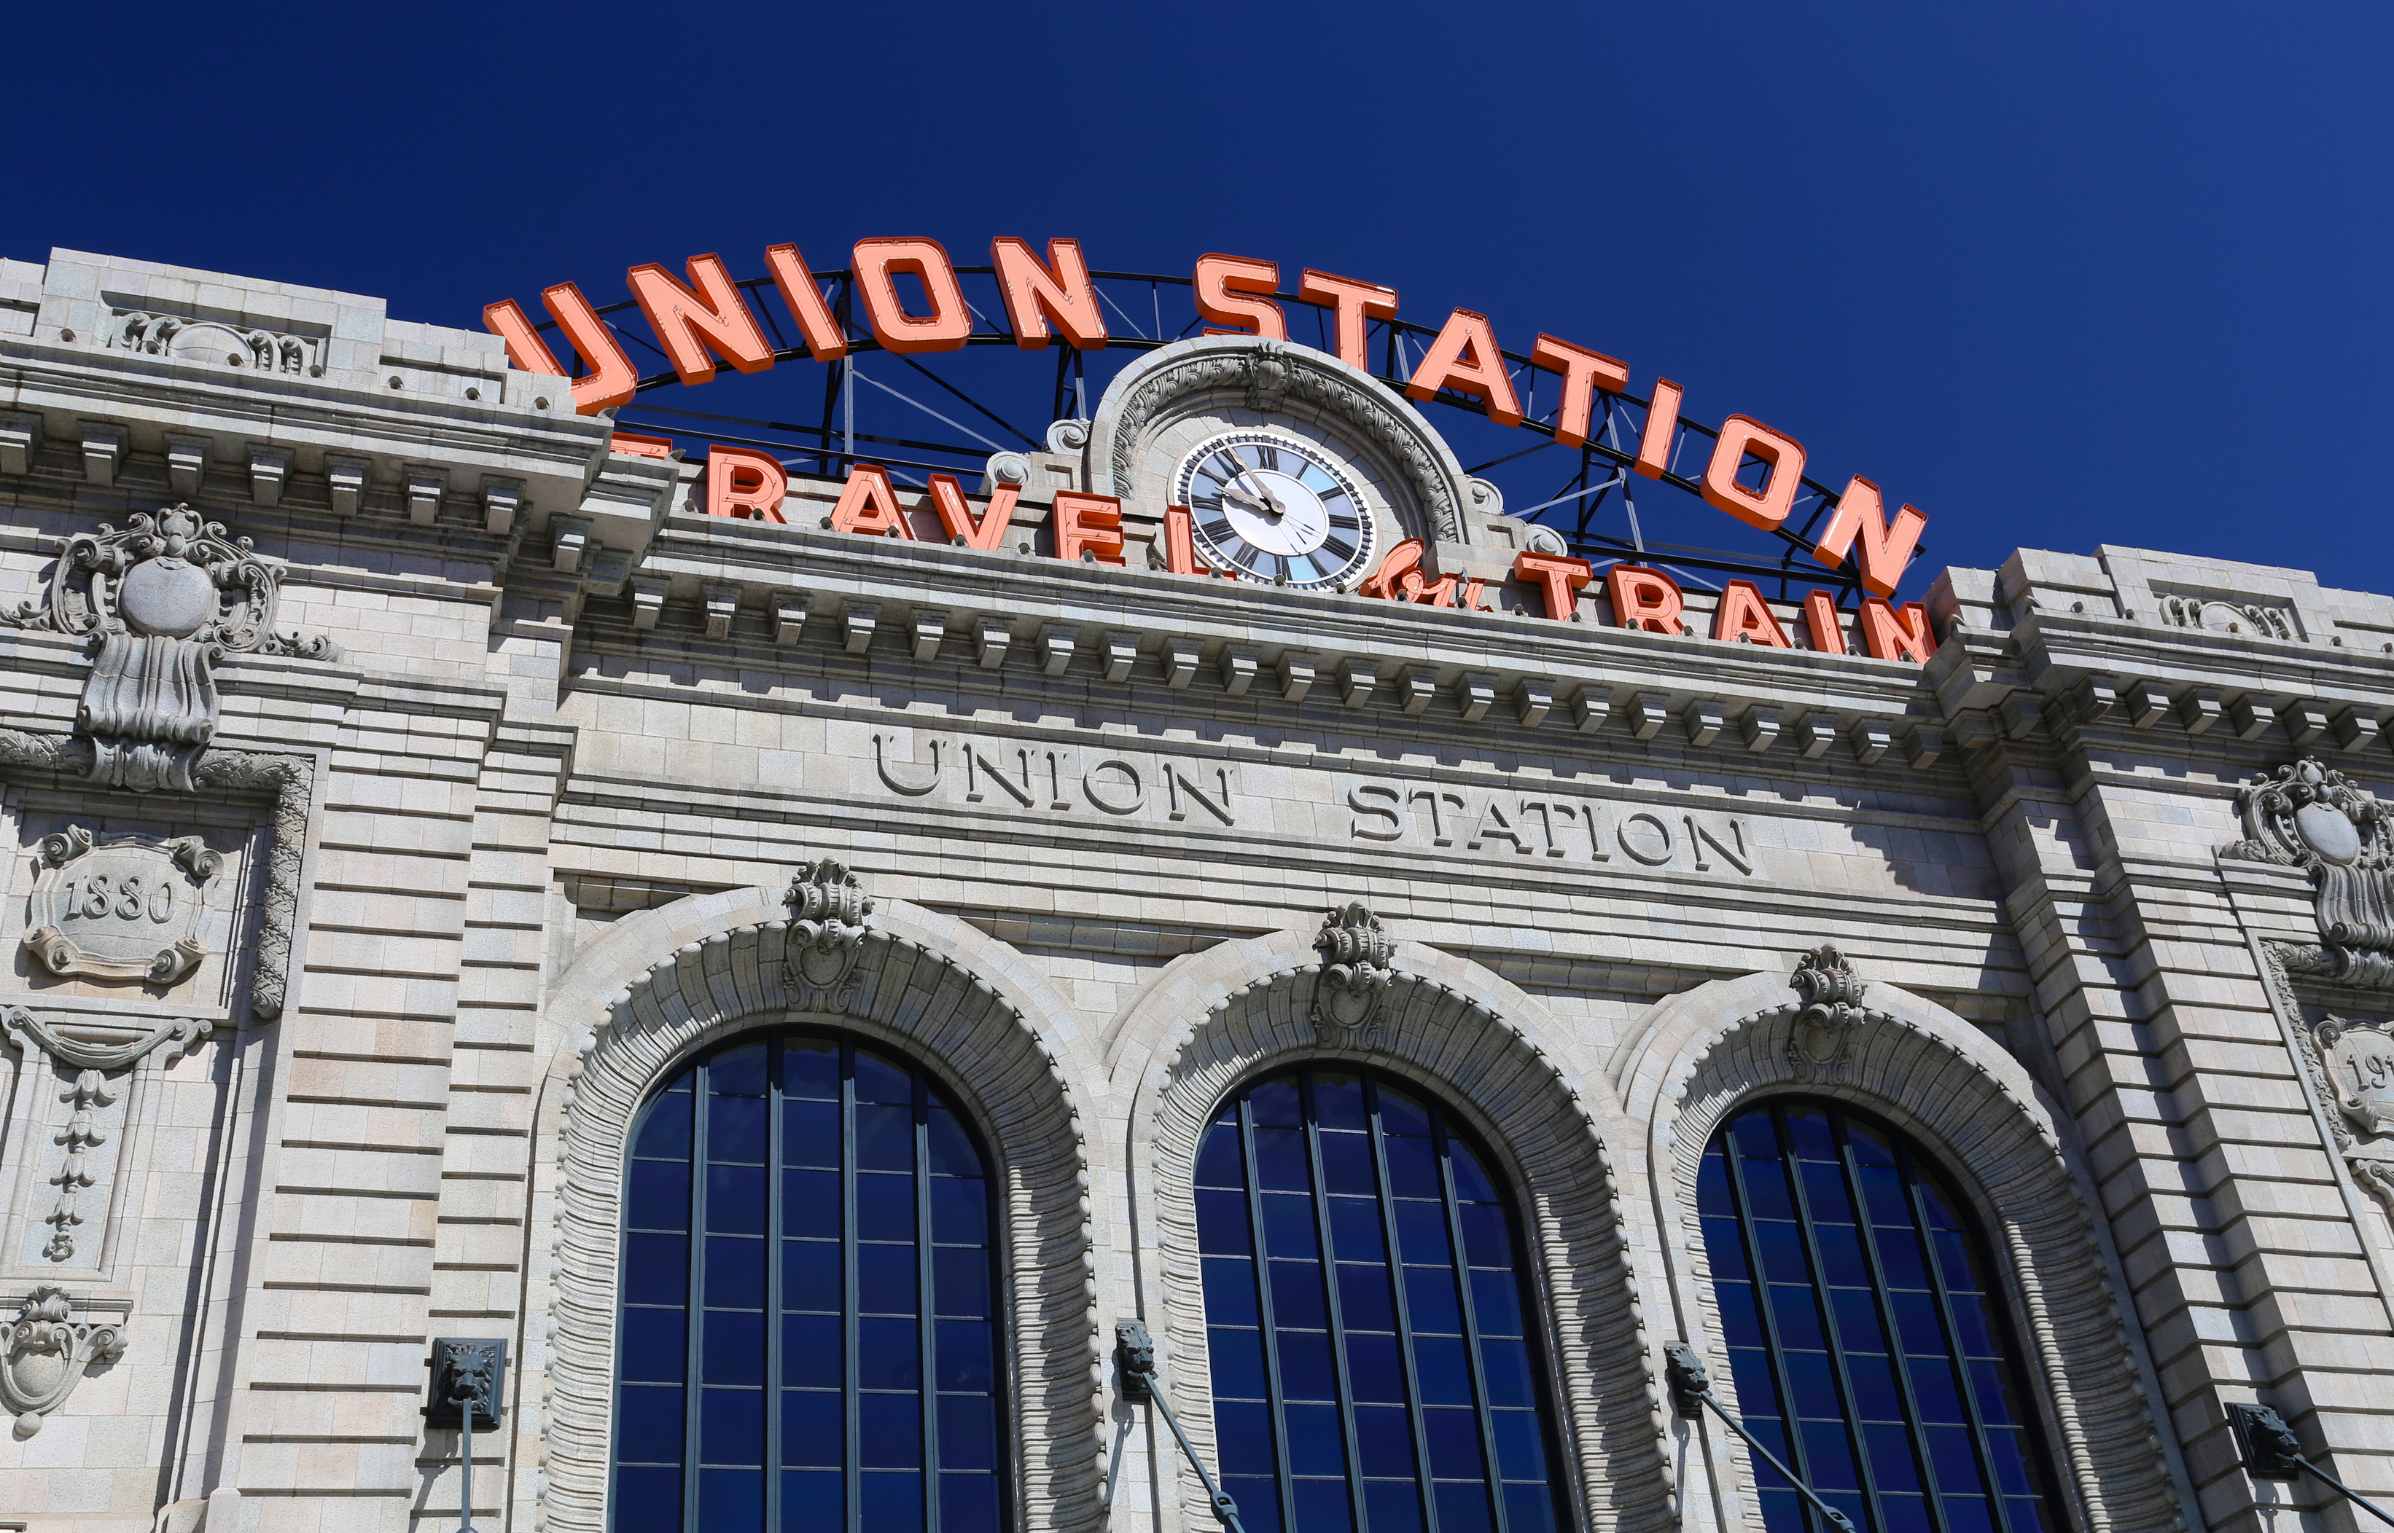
2061, 275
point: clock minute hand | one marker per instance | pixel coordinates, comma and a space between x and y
1255, 490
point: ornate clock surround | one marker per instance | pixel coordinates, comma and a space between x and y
1423, 484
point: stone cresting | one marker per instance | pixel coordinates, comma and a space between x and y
50, 1347
902, 993
1555, 1163
1824, 1028
1270, 375
1975, 1108
159, 602
2313, 817
1358, 966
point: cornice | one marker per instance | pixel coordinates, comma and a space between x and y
992, 610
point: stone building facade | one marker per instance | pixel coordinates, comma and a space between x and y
401, 779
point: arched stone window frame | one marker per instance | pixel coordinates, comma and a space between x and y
1491, 1054
2002, 1141
662, 984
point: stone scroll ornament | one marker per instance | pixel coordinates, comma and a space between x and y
828, 910
159, 601
1358, 968
1832, 1011
2313, 817
128, 907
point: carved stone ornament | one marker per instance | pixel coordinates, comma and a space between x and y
828, 909
1358, 967
93, 1077
2218, 615
160, 602
1832, 1010
120, 909
192, 339
2351, 1065
2313, 817
50, 1348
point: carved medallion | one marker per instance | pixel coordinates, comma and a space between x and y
125, 908
50, 1347
2358, 1060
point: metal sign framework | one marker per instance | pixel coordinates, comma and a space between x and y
972, 420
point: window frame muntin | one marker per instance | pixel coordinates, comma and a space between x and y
1449, 1116
2025, 1363
927, 1073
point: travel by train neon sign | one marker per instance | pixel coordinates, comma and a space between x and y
903, 296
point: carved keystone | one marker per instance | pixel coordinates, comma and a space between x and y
828, 910
1358, 966
1832, 996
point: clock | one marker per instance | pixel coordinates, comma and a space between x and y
1267, 504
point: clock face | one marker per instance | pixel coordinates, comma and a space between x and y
1268, 506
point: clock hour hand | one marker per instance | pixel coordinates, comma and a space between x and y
1255, 490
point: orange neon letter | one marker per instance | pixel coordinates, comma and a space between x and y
696, 324
956, 513
1886, 546
1180, 542
804, 300
1644, 598
1821, 624
1662, 421
1236, 294
1090, 525
1354, 305
1893, 633
1034, 294
1743, 616
1583, 371
743, 482
1783, 472
877, 265
1558, 578
611, 377
868, 505
1465, 358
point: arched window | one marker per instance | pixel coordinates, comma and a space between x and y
1858, 1302
1393, 1387
808, 1337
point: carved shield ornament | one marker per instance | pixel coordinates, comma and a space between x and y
125, 908
2358, 1059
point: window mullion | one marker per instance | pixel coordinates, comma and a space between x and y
773, 1324
851, 1378
1404, 1314
1915, 1426
1493, 1478
1828, 1310
693, 1379
1341, 1385
925, 1291
1953, 1337
1263, 1311
1762, 1308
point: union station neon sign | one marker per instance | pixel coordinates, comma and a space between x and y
703, 319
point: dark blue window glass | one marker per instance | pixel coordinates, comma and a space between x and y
808, 1332
1367, 1305
1873, 1355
